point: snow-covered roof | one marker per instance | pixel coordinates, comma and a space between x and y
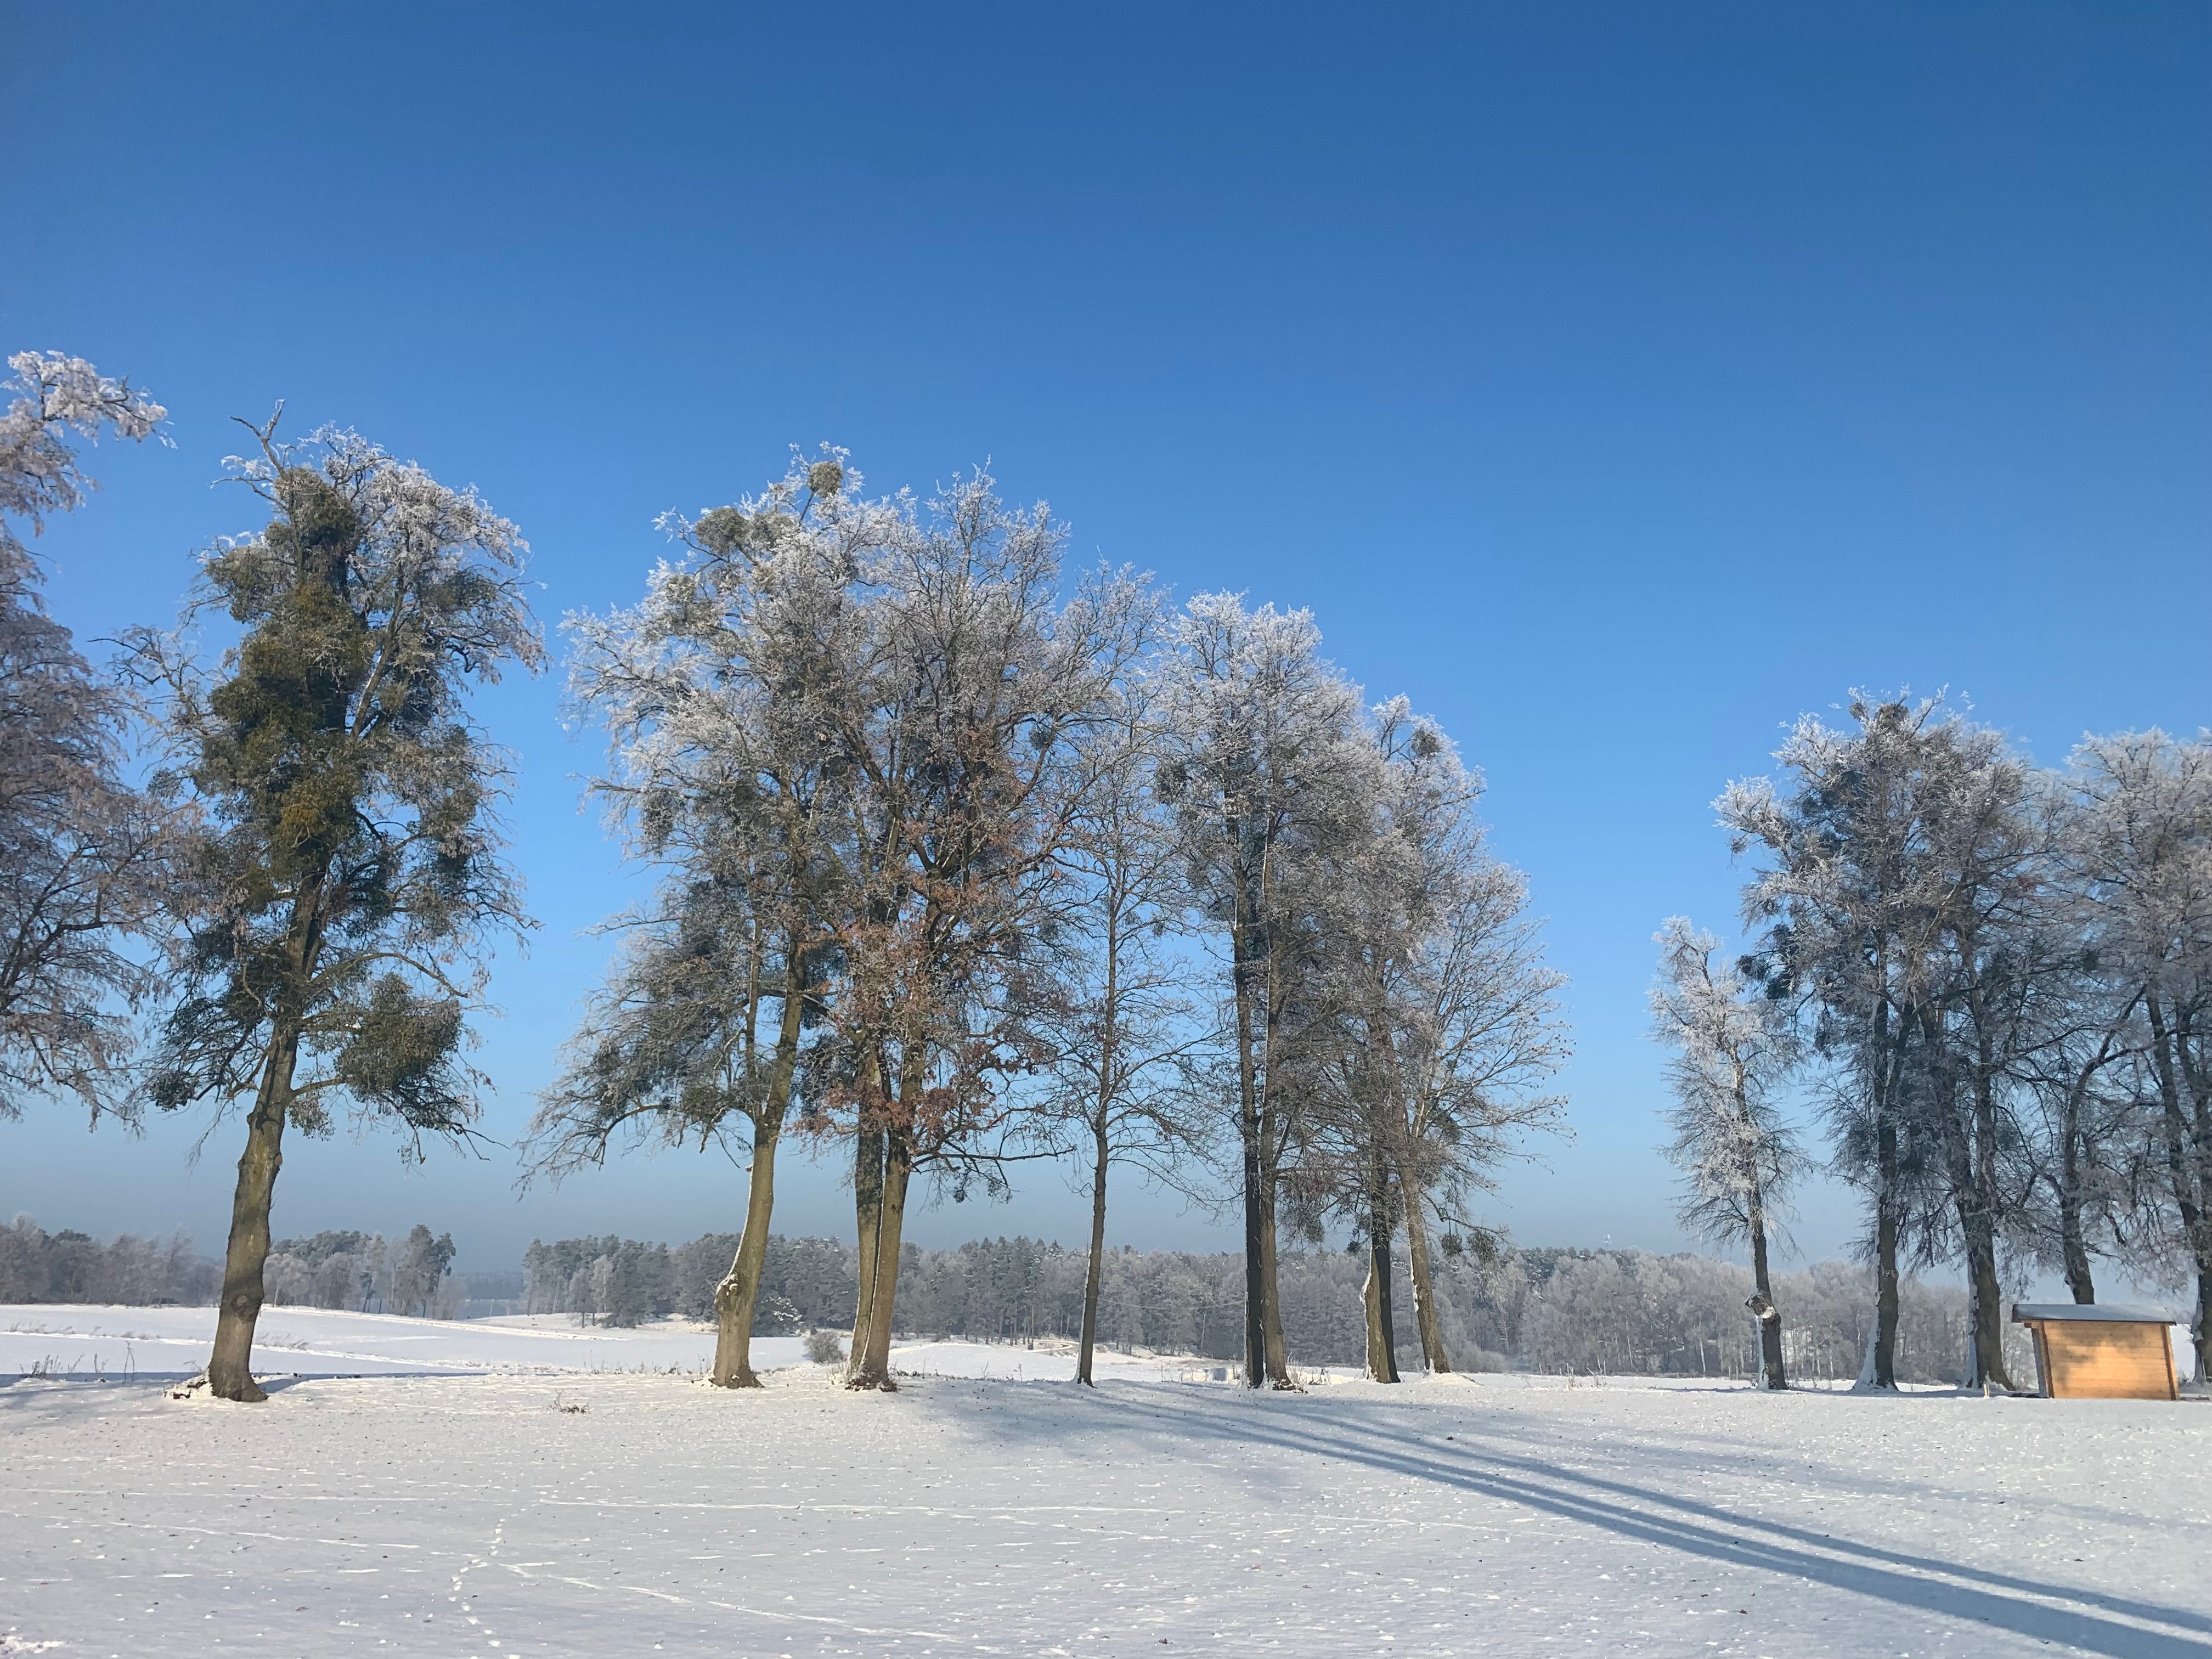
2024, 1311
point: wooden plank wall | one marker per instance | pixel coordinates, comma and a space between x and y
2096, 1360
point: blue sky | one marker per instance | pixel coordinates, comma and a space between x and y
1617, 382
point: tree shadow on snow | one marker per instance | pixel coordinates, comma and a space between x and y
1686, 1525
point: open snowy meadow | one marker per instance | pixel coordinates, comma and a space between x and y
512, 1505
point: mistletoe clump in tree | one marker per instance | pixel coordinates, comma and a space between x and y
348, 875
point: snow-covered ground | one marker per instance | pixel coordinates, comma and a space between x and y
615, 1513
67, 1339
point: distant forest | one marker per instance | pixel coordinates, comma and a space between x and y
360, 1271
1601, 1312
1613, 1312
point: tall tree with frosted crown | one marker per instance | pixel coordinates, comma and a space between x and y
1733, 1047
727, 777
958, 711
2144, 861
1909, 901
1848, 908
81, 852
1478, 1027
333, 926
1432, 1024
1263, 761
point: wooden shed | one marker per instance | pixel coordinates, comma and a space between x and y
2088, 1351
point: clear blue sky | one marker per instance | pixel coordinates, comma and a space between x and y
1617, 382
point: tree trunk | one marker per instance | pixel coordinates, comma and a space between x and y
2080, 1284
1762, 1298
873, 1366
2188, 1138
1097, 1273
230, 1367
2202, 1327
1247, 1132
1272, 1347
1984, 1297
737, 1296
2188, 1200
2072, 1248
867, 1221
1989, 1206
1381, 1327
1883, 1358
1416, 1262
1879, 1370
2189, 1045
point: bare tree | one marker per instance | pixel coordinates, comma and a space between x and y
82, 852
2086, 1163
1125, 1038
1490, 1038
332, 930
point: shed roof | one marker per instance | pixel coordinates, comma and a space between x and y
2022, 1312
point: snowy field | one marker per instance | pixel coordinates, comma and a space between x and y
65, 1340
605, 1512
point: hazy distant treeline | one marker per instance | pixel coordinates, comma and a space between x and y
37, 1265
359, 1271
1613, 1312
1618, 1312
367, 1274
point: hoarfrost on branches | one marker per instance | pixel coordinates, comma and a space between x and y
81, 851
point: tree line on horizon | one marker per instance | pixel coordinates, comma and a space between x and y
1574, 1312
1581, 1312
962, 860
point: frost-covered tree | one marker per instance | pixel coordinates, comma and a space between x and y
1270, 778
2142, 851
1734, 1049
419, 1269
333, 924
726, 777
2000, 973
1440, 1032
1479, 1034
1848, 907
1352, 998
2087, 1146
851, 732
963, 684
80, 851
1913, 898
